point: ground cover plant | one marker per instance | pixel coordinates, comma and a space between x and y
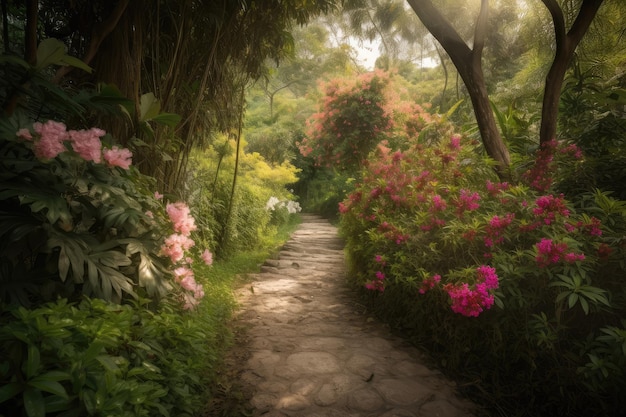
509, 285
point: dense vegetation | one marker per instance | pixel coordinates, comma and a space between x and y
138, 180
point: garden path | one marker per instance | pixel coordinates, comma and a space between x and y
312, 351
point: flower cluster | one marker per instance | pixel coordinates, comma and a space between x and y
467, 201
175, 247
494, 232
429, 283
50, 140
471, 302
540, 176
274, 203
550, 252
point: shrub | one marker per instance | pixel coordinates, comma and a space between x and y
96, 358
77, 219
508, 285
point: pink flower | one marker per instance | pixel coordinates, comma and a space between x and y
429, 283
488, 276
573, 257
467, 201
182, 272
86, 143
496, 227
24, 134
207, 257
175, 246
188, 282
439, 204
469, 302
52, 135
182, 221
158, 196
549, 252
455, 142
117, 157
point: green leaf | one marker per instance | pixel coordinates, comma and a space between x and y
108, 362
169, 119
571, 301
53, 387
34, 403
52, 52
14, 60
33, 361
149, 107
9, 391
585, 305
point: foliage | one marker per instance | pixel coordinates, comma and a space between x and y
351, 122
209, 188
96, 358
78, 219
504, 284
594, 117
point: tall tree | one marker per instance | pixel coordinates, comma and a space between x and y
468, 63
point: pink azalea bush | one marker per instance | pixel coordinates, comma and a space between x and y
473, 264
432, 212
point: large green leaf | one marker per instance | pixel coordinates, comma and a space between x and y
149, 107
52, 52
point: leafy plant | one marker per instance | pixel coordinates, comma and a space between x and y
506, 283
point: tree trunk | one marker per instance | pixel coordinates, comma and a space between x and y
30, 35
566, 44
468, 63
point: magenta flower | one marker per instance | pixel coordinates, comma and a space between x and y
469, 302
488, 276
117, 157
429, 283
549, 252
467, 201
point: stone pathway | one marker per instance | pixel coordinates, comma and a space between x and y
313, 353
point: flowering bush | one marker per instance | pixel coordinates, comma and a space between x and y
355, 116
76, 220
434, 227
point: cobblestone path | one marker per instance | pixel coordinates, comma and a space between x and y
312, 352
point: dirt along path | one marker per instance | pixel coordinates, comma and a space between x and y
312, 352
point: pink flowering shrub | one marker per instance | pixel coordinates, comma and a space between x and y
431, 232
355, 116
85, 225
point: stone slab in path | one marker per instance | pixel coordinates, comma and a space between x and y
313, 353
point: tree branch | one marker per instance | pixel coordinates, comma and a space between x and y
441, 29
480, 31
587, 13
99, 33
559, 22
